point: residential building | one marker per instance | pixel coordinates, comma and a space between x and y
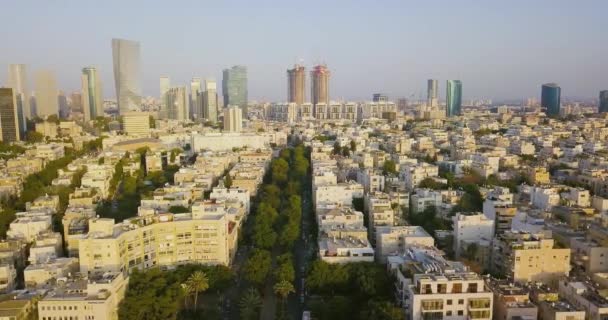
395, 240
136, 123
511, 301
471, 229
584, 295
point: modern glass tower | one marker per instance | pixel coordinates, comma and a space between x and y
432, 93
17, 80
92, 97
550, 98
126, 74
234, 87
196, 106
453, 98
9, 122
603, 105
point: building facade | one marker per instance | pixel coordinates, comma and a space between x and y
17, 80
47, 102
92, 96
453, 98
233, 119
603, 104
210, 101
432, 93
234, 87
551, 98
319, 85
9, 120
125, 54
296, 84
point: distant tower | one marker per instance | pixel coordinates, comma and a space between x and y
296, 84
125, 54
233, 119
603, 105
17, 80
177, 104
209, 101
319, 84
234, 87
550, 98
9, 122
379, 97
92, 97
432, 93
453, 98
165, 85
196, 107
46, 94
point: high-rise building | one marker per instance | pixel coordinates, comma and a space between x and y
92, 97
165, 85
453, 98
432, 93
126, 74
234, 87
17, 80
379, 97
76, 102
62, 103
196, 107
46, 94
296, 84
177, 104
603, 104
319, 84
210, 104
233, 119
9, 121
550, 98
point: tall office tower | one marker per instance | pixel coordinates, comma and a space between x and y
196, 107
165, 85
92, 97
233, 119
296, 84
9, 121
17, 80
210, 103
234, 87
432, 93
62, 102
453, 98
126, 74
319, 84
379, 97
46, 94
177, 104
550, 98
603, 104
76, 102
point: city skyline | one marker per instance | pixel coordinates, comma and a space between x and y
525, 36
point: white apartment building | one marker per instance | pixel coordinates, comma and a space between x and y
341, 193
585, 296
471, 229
394, 240
414, 174
425, 198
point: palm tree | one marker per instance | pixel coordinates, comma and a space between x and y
187, 290
283, 289
250, 304
199, 282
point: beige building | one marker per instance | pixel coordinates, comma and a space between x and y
136, 123
511, 302
538, 175
93, 298
526, 257
233, 119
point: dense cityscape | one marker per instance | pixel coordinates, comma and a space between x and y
200, 202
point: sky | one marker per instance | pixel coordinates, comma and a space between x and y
499, 49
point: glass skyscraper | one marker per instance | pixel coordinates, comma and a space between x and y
550, 98
92, 97
432, 93
603, 105
126, 74
234, 87
9, 122
453, 98
17, 80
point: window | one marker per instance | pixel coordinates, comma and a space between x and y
460, 301
448, 313
460, 312
449, 302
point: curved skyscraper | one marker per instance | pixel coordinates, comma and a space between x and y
550, 98
126, 74
603, 105
453, 98
92, 97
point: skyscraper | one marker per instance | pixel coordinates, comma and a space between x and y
550, 98
296, 84
177, 104
234, 87
92, 96
9, 122
126, 74
233, 119
165, 85
432, 93
46, 94
603, 105
62, 103
196, 107
453, 98
319, 84
76, 102
210, 104
17, 80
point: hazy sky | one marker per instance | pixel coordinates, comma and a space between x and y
499, 49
